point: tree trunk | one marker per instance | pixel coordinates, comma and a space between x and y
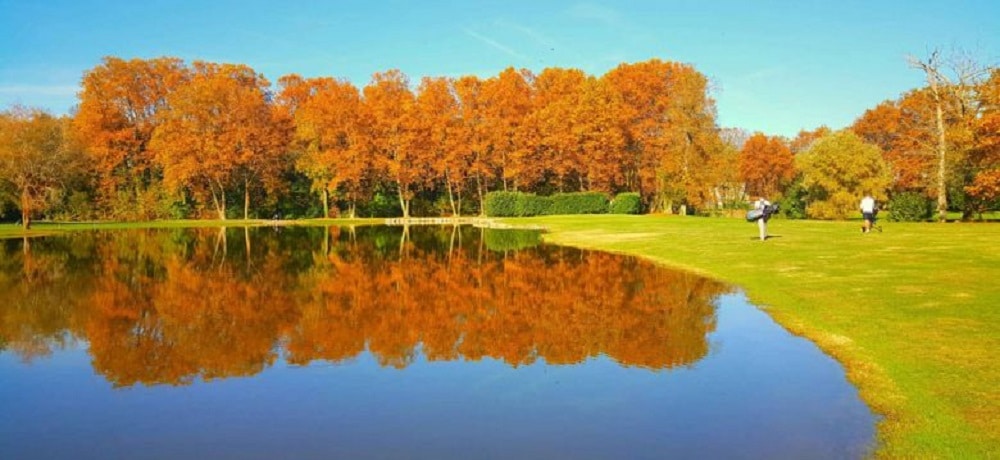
326, 203
246, 199
219, 200
404, 204
25, 209
451, 195
482, 197
942, 148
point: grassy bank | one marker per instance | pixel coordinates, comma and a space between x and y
913, 313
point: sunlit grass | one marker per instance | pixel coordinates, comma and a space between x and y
913, 312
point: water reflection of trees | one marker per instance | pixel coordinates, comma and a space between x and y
172, 306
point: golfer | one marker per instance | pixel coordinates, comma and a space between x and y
867, 212
764, 207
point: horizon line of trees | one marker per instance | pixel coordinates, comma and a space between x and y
162, 138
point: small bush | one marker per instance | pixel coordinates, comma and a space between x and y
626, 203
909, 207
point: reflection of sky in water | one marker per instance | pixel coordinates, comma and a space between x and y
759, 393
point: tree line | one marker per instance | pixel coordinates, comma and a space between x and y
163, 138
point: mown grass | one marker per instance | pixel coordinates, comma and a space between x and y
913, 313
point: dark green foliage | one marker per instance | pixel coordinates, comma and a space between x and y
529, 204
511, 240
517, 204
626, 203
501, 204
909, 207
793, 204
382, 205
579, 203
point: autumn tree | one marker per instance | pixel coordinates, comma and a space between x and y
985, 187
389, 134
837, 171
669, 122
506, 103
728, 189
35, 161
326, 114
439, 143
472, 144
598, 137
951, 87
220, 133
766, 165
804, 139
121, 104
550, 126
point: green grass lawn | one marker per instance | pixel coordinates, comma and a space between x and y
913, 313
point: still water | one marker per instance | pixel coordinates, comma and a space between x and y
375, 342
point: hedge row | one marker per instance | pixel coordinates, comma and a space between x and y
517, 204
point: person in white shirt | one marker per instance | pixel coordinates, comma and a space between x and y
867, 212
762, 205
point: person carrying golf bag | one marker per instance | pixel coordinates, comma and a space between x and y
761, 213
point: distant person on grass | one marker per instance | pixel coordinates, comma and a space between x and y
867, 212
764, 207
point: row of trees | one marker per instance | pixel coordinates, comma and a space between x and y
162, 138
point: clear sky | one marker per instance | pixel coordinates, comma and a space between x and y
776, 66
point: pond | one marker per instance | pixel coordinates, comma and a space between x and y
380, 342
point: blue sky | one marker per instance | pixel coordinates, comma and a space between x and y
776, 66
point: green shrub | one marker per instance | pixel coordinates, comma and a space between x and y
529, 204
626, 203
793, 204
909, 207
501, 204
579, 203
517, 204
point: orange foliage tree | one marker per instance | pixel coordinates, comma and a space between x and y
766, 165
599, 138
985, 188
550, 125
471, 149
439, 143
121, 104
35, 159
899, 128
506, 103
221, 133
389, 133
670, 131
326, 114
804, 139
